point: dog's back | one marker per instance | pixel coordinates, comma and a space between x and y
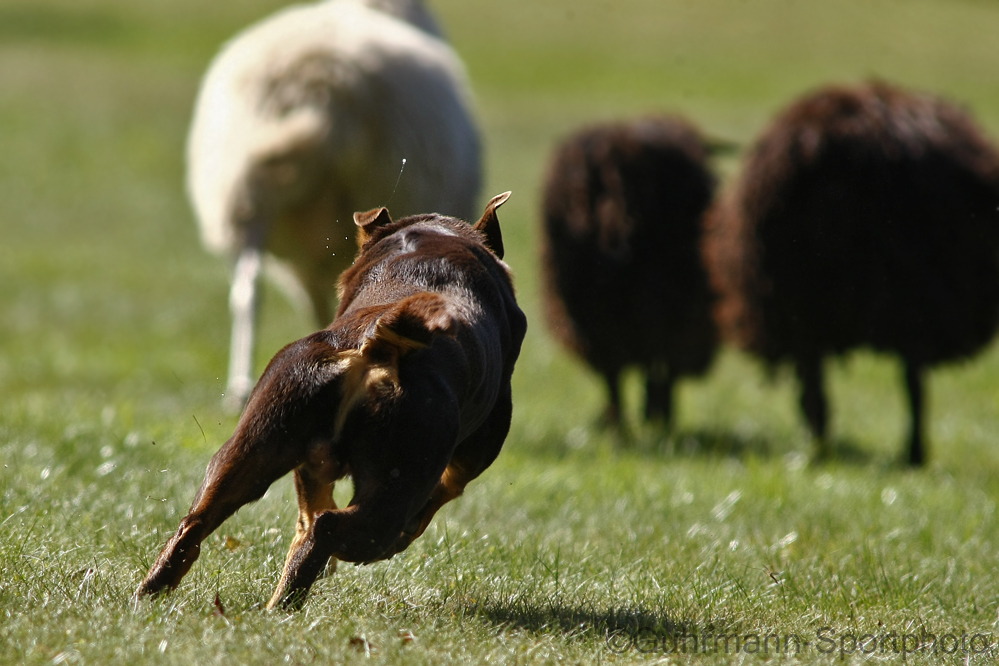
439, 269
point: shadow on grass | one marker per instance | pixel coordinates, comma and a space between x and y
578, 620
846, 451
660, 443
712, 443
626, 630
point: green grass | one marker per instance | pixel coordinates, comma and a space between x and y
113, 345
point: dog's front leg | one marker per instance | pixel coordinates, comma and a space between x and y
315, 496
395, 471
363, 532
452, 484
470, 458
306, 560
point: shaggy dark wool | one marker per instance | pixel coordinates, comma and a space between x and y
865, 215
623, 278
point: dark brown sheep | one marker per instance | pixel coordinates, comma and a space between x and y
864, 216
623, 280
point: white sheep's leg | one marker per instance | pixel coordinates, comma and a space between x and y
243, 301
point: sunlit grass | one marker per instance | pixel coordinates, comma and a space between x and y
114, 337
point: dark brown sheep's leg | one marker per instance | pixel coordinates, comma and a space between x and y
659, 395
612, 415
813, 399
914, 388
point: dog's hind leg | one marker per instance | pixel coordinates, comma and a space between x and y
236, 475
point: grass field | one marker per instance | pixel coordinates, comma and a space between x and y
113, 347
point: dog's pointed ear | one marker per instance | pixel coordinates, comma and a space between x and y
368, 221
489, 224
408, 326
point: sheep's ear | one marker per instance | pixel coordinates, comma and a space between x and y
410, 325
489, 224
368, 221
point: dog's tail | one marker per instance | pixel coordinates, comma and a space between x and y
372, 372
412, 323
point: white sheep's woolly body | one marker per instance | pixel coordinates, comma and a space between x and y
305, 118
233, 131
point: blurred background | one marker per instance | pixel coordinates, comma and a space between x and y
113, 317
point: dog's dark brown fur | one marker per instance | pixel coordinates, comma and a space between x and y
864, 216
407, 391
624, 283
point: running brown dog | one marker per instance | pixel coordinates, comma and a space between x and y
407, 392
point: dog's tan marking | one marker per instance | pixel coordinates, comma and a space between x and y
370, 372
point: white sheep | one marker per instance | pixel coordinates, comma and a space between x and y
312, 114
